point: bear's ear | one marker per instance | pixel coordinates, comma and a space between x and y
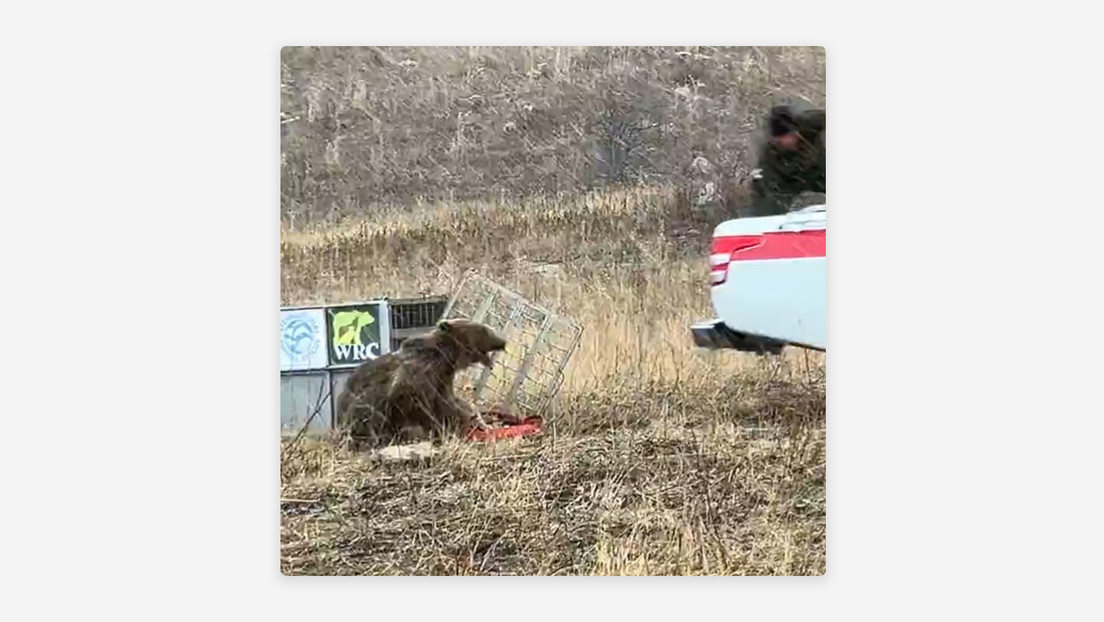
444, 325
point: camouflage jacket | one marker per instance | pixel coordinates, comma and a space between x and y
782, 175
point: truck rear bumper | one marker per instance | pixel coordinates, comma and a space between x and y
715, 335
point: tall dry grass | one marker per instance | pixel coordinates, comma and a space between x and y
657, 458
370, 126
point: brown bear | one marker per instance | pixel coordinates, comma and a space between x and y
408, 394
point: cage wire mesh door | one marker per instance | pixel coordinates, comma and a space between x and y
525, 377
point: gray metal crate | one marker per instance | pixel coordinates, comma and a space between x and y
415, 316
301, 394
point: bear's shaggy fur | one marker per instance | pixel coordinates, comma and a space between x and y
408, 395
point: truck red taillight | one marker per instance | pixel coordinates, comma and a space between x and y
721, 254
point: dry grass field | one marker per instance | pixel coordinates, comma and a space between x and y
366, 127
657, 458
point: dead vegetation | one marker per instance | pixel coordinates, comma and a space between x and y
655, 483
589, 180
656, 459
364, 127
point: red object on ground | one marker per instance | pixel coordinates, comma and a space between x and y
513, 428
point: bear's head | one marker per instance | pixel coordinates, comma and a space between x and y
472, 342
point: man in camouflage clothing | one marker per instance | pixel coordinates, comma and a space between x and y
791, 160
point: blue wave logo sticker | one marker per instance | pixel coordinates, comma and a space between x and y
300, 337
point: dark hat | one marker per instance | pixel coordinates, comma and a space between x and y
781, 121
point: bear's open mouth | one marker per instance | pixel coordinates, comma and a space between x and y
490, 358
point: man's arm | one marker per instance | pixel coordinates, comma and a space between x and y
811, 123
767, 199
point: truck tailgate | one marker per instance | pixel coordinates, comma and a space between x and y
769, 276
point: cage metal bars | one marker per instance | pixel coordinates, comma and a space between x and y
480, 384
527, 362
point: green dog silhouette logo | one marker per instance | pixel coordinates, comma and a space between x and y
347, 325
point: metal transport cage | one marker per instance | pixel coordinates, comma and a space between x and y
540, 343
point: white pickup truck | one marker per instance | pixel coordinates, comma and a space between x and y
769, 283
